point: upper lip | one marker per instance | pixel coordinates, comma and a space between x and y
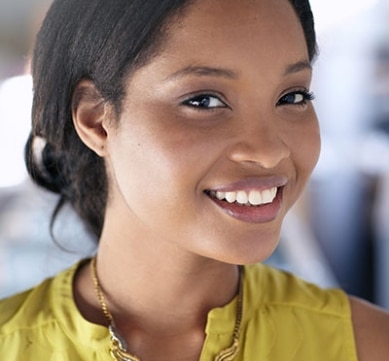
252, 183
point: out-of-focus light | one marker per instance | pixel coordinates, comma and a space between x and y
331, 13
15, 123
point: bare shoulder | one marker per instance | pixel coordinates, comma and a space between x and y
371, 327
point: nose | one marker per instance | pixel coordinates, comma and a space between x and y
262, 144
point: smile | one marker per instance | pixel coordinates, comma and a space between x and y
247, 198
252, 205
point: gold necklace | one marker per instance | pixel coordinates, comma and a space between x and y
118, 347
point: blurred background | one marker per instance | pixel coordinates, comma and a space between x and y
337, 235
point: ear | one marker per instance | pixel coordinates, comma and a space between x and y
90, 116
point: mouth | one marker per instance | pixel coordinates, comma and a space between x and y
252, 206
252, 198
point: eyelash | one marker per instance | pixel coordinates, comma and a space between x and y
200, 98
306, 97
197, 101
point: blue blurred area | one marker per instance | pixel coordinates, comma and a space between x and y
28, 254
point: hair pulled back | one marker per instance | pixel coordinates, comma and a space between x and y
102, 41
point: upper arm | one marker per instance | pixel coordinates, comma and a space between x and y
371, 328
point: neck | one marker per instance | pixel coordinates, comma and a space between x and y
184, 289
157, 294
159, 310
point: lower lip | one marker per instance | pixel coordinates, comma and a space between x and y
253, 214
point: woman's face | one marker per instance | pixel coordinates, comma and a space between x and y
217, 136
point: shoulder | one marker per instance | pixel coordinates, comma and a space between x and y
32, 322
35, 307
22, 318
371, 329
297, 317
278, 287
18, 309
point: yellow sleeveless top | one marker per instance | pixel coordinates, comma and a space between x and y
284, 318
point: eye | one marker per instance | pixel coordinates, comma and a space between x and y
300, 97
204, 101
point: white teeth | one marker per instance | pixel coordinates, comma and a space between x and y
266, 196
220, 195
241, 197
230, 197
254, 197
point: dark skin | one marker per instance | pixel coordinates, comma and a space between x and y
371, 327
223, 104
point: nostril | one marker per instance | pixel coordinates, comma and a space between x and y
266, 154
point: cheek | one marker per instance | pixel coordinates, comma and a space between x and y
158, 176
162, 164
306, 145
303, 139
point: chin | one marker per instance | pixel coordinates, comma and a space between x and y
246, 254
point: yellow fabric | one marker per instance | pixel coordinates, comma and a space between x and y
284, 319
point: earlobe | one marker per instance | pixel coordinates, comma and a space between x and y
89, 113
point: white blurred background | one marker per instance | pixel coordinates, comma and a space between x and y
338, 235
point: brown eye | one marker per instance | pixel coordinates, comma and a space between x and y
296, 98
205, 101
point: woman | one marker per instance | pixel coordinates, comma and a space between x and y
181, 132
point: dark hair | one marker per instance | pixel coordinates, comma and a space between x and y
102, 41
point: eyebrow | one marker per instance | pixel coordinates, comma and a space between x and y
204, 71
297, 67
230, 74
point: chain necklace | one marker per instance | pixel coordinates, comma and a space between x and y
118, 347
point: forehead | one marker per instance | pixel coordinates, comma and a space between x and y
244, 12
255, 39
234, 24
